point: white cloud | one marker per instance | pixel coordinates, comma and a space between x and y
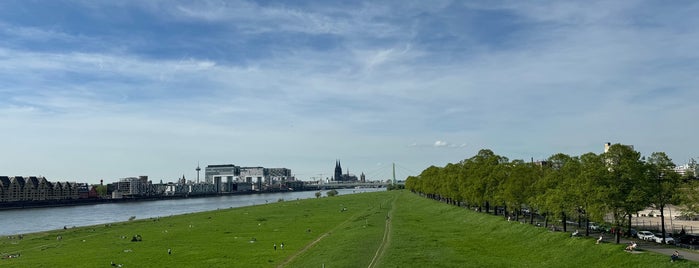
448, 145
440, 144
570, 76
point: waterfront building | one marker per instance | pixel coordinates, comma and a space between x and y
223, 172
133, 187
279, 174
691, 168
232, 178
254, 176
175, 189
19, 189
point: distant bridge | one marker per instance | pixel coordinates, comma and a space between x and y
344, 185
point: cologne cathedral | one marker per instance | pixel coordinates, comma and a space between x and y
342, 177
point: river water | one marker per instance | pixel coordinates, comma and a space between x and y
22, 221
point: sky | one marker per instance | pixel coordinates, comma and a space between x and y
94, 90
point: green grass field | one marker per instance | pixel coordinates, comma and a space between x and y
341, 231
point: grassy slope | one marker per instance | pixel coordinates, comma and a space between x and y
424, 233
431, 234
215, 239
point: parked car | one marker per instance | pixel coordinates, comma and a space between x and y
633, 233
645, 235
594, 226
658, 238
689, 240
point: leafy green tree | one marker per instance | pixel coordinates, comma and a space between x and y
516, 189
101, 190
551, 193
485, 177
559, 192
428, 181
469, 189
626, 186
450, 183
689, 198
661, 174
411, 183
590, 188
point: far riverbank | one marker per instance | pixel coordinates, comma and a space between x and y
32, 220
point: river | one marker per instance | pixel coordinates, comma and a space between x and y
22, 221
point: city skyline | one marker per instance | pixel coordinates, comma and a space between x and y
106, 90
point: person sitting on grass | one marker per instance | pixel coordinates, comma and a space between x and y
599, 240
631, 246
674, 256
574, 234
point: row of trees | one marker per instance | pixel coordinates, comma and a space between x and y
618, 182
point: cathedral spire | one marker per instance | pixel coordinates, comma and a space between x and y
338, 171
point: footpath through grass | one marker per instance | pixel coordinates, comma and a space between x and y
342, 231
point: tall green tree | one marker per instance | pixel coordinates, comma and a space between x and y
625, 192
689, 198
590, 188
484, 177
553, 189
661, 174
450, 183
516, 189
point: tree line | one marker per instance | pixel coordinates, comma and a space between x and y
619, 183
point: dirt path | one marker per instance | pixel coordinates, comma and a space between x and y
379, 251
687, 254
307, 247
386, 236
310, 245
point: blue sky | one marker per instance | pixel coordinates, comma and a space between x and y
95, 90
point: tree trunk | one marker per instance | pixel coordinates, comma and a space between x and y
628, 230
487, 207
662, 221
587, 226
565, 225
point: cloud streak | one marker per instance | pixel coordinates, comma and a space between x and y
297, 84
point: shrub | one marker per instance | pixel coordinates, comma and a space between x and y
332, 192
